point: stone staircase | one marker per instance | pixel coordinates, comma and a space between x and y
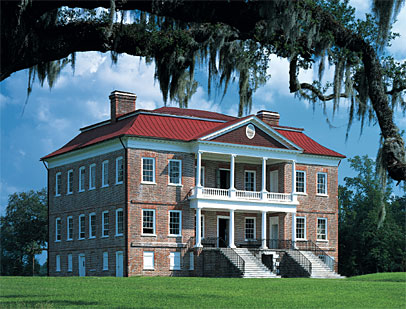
319, 268
253, 266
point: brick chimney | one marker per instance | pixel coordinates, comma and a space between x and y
270, 118
121, 103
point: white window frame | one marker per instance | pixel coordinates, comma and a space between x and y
92, 176
105, 173
149, 255
82, 170
81, 227
105, 214
245, 228
117, 170
153, 223
326, 229
69, 179
255, 179
70, 262
304, 227
92, 234
117, 211
179, 183
105, 261
180, 222
191, 261
58, 184
174, 260
58, 225
304, 182
153, 170
58, 263
69, 233
325, 184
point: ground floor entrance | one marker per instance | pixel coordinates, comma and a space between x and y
223, 231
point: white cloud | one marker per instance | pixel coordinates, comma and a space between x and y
88, 63
98, 110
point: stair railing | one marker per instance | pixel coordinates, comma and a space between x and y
234, 258
318, 252
301, 259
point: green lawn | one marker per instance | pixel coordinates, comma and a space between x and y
372, 291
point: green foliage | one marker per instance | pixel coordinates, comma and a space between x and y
364, 248
24, 230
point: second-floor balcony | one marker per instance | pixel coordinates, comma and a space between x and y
230, 194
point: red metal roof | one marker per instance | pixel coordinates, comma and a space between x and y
308, 145
186, 128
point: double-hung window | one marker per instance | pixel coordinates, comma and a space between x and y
175, 172
92, 225
105, 224
300, 181
249, 181
69, 228
321, 228
105, 261
250, 226
58, 263
175, 222
174, 261
148, 170
300, 228
70, 182
82, 226
322, 183
119, 222
148, 222
82, 179
58, 183
92, 176
58, 229
105, 173
119, 170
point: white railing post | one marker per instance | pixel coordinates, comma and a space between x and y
263, 233
231, 229
263, 190
198, 228
199, 174
232, 177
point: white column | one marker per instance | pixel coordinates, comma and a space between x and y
232, 177
231, 230
199, 169
198, 228
263, 191
294, 229
263, 233
293, 177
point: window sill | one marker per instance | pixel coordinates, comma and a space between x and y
301, 239
90, 189
81, 191
174, 236
94, 237
322, 195
105, 186
301, 193
118, 235
148, 183
322, 240
56, 195
71, 239
119, 183
69, 193
175, 269
57, 241
81, 238
175, 185
148, 235
105, 269
105, 236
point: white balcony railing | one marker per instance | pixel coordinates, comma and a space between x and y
248, 195
226, 194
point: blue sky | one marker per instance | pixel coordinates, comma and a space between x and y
53, 117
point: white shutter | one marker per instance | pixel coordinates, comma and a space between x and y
148, 260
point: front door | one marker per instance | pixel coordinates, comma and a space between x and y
119, 263
224, 179
82, 265
223, 232
273, 181
273, 232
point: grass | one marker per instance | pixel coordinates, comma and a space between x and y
371, 291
